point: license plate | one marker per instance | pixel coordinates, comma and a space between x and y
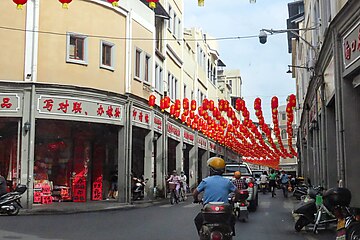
340, 224
243, 208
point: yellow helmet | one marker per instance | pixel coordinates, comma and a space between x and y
216, 165
237, 174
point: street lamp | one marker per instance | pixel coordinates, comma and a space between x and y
263, 35
293, 66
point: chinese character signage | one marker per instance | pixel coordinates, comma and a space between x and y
189, 137
351, 46
212, 147
140, 117
80, 108
173, 131
202, 142
158, 124
10, 103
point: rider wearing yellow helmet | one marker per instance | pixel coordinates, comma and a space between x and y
216, 188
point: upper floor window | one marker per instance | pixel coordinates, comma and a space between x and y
147, 68
107, 55
283, 116
137, 63
283, 134
170, 20
158, 78
173, 86
76, 48
159, 23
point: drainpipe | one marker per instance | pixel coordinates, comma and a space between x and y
323, 137
128, 148
339, 110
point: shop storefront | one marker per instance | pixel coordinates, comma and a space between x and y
174, 156
189, 159
202, 144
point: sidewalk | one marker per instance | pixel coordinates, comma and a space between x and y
90, 206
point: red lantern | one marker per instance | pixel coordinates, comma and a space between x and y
65, 3
186, 103
193, 105
211, 105
152, 3
172, 110
205, 104
19, 4
152, 101
114, 2
167, 102
177, 104
162, 104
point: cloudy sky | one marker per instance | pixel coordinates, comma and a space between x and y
263, 66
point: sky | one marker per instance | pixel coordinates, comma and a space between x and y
262, 66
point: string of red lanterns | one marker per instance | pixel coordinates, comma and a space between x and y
221, 124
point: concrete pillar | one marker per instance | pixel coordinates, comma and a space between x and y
149, 165
160, 166
179, 157
193, 155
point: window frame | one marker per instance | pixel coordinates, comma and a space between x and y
112, 58
147, 68
137, 64
83, 61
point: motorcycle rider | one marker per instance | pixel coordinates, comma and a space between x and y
174, 178
3, 185
216, 189
238, 181
284, 181
263, 181
183, 179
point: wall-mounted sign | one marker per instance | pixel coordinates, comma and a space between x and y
140, 117
202, 143
212, 147
189, 137
351, 46
158, 124
9, 103
173, 131
79, 108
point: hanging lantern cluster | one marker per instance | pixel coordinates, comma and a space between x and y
291, 104
220, 123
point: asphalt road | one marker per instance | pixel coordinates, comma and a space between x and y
272, 220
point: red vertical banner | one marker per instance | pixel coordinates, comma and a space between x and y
97, 172
80, 171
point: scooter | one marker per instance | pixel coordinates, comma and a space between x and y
300, 191
10, 202
241, 206
138, 189
263, 187
348, 225
216, 225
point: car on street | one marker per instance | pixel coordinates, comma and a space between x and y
246, 173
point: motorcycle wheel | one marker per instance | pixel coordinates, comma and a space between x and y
13, 212
172, 198
353, 231
300, 223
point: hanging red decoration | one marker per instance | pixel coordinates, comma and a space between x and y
185, 103
205, 104
152, 101
65, 3
167, 102
193, 105
114, 2
19, 4
152, 3
177, 104
172, 110
211, 105
162, 104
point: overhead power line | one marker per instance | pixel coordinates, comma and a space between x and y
125, 38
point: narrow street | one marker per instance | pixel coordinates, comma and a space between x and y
272, 220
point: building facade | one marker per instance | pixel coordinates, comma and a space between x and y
328, 92
74, 98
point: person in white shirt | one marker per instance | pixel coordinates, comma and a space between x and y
183, 179
263, 181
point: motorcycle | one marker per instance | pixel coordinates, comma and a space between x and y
338, 200
241, 206
300, 191
312, 210
217, 216
263, 187
10, 202
138, 189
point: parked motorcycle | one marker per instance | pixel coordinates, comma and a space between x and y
300, 191
338, 200
216, 225
138, 189
10, 202
312, 211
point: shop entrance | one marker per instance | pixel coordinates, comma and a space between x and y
172, 144
9, 159
201, 153
186, 166
138, 151
73, 161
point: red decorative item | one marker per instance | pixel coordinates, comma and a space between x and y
152, 101
152, 3
19, 4
186, 103
65, 3
114, 2
193, 105
162, 104
172, 110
